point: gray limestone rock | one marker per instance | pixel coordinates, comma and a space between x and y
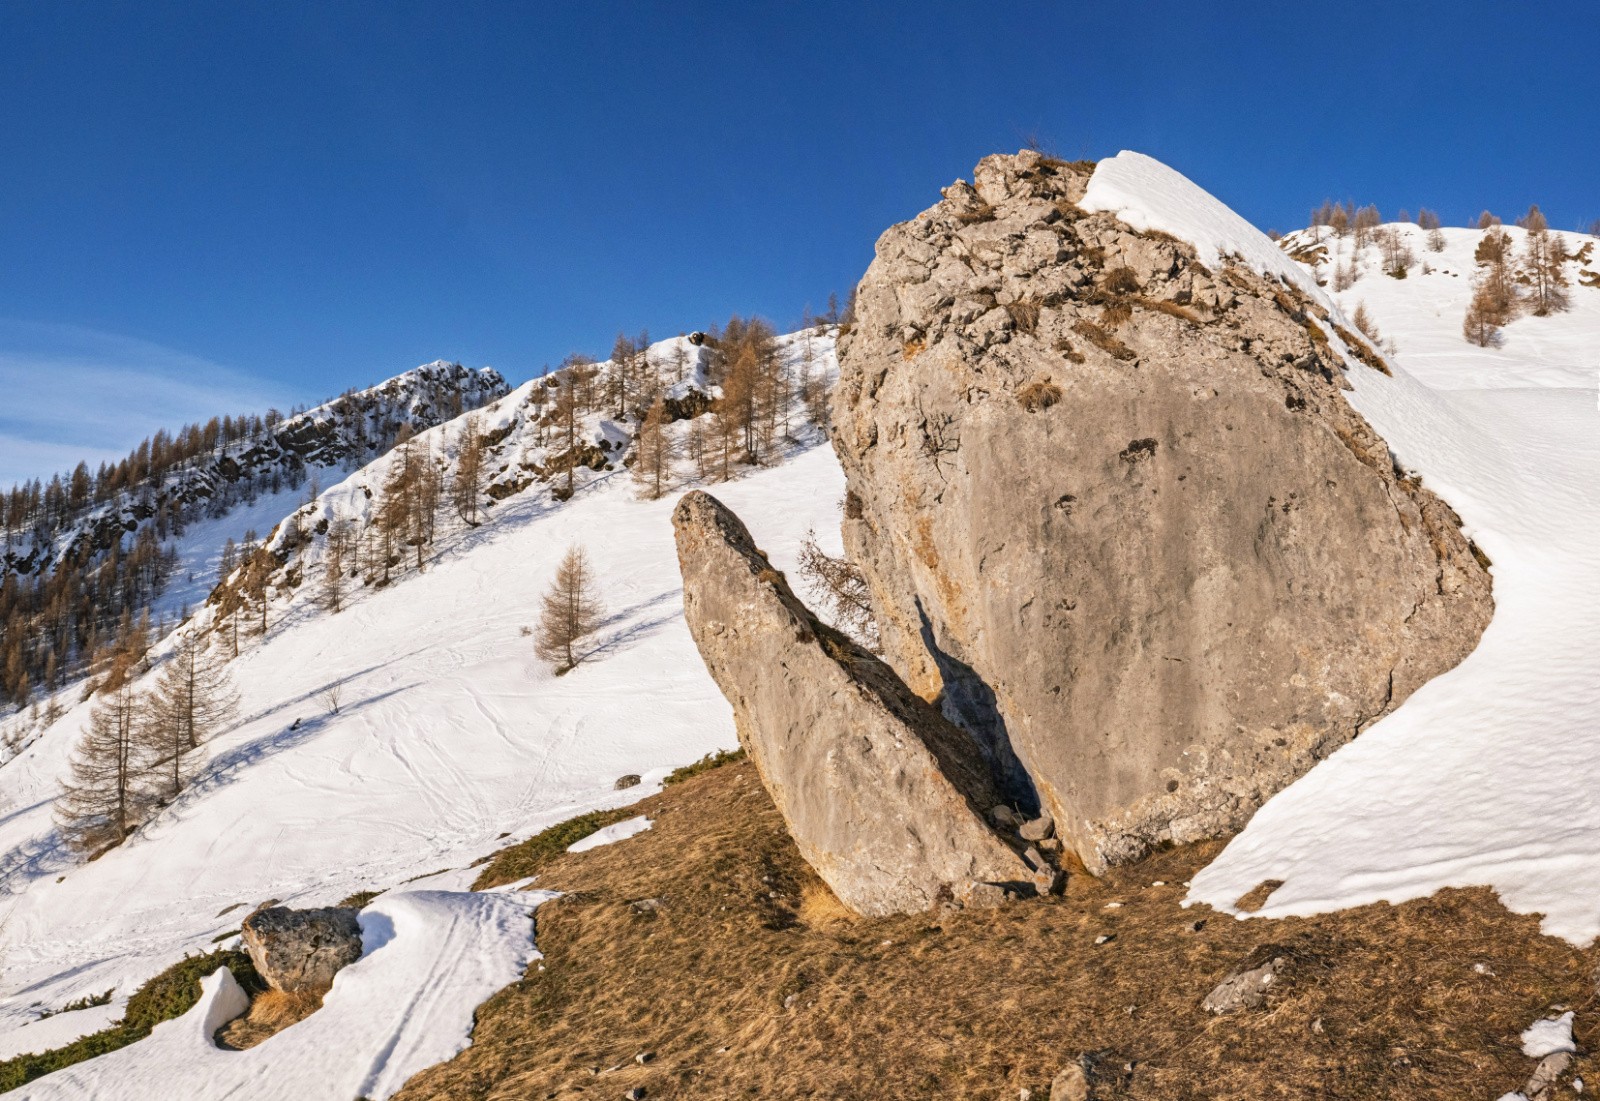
301, 950
884, 797
1246, 986
1119, 521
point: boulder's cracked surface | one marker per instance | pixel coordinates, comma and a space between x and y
1118, 519
302, 950
884, 797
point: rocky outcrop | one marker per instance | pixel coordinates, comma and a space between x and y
1118, 519
301, 950
883, 796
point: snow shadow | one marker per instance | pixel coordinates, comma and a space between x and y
313, 694
377, 930
637, 632
223, 769
46, 854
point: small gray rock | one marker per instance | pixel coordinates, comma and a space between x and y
301, 950
973, 895
1038, 829
1246, 985
1004, 817
1547, 1075
1072, 1084
631, 780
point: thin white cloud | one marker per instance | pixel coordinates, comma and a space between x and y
72, 394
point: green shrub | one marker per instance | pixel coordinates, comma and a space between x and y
705, 764
173, 992
170, 994
88, 1001
525, 858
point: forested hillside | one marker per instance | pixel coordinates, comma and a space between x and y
83, 557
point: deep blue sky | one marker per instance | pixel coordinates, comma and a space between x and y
244, 202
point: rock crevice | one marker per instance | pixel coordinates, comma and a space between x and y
884, 797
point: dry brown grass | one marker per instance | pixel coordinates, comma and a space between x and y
1070, 212
1116, 312
1103, 340
1362, 350
1064, 346
1024, 314
1038, 394
747, 980
1123, 280
1310, 254
1256, 897
982, 212
271, 1011
1171, 309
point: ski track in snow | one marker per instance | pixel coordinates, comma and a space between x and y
429, 958
450, 734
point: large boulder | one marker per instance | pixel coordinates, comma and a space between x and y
301, 950
884, 797
1118, 519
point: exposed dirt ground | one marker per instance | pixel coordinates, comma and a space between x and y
744, 978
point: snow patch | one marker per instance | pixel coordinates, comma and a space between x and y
428, 960
1147, 195
1548, 1036
1485, 775
61, 1029
610, 835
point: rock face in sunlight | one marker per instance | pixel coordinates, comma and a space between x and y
1118, 518
884, 797
301, 950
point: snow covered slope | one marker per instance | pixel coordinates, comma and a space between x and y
428, 959
451, 740
1487, 774
349, 429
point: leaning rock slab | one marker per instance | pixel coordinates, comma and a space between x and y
1118, 519
884, 797
301, 950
